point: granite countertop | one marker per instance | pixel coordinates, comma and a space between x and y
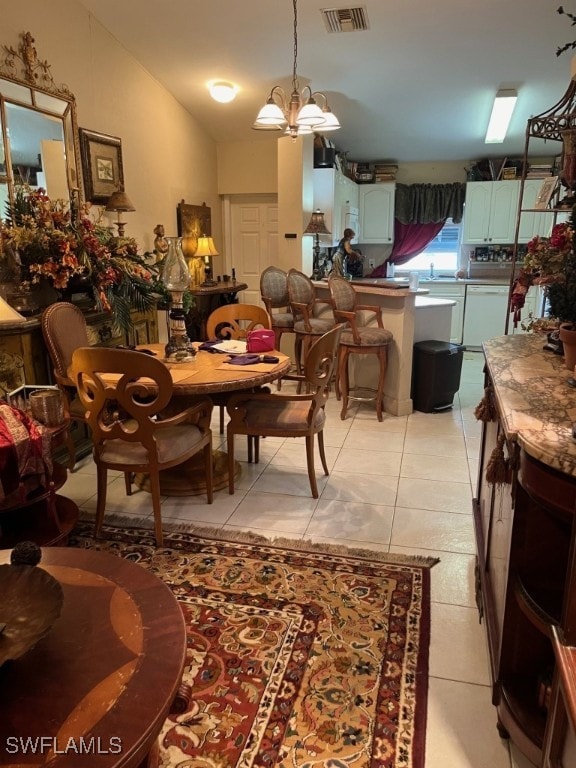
537, 406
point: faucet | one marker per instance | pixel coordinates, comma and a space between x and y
431, 271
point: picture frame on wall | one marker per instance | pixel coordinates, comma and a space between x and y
102, 167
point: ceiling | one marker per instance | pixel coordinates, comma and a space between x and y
417, 86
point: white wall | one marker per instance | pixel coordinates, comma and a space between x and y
167, 156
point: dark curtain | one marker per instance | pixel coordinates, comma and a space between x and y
420, 212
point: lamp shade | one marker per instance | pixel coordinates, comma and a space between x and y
206, 247
119, 201
316, 225
8, 314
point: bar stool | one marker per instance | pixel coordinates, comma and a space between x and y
358, 339
308, 326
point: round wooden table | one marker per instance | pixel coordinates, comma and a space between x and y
96, 690
207, 374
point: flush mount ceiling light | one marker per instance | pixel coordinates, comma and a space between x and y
222, 91
502, 109
301, 113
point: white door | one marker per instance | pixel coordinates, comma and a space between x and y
252, 241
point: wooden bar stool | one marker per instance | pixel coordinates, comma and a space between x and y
358, 339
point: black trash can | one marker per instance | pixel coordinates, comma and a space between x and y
436, 369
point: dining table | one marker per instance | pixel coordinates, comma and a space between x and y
209, 372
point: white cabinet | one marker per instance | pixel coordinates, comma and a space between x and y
490, 212
457, 293
377, 213
532, 222
337, 196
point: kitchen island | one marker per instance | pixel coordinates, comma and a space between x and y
525, 526
406, 314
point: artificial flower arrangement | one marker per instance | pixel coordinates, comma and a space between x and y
550, 261
44, 239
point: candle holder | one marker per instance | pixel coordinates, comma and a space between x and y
206, 249
176, 278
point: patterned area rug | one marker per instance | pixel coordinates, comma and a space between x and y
297, 657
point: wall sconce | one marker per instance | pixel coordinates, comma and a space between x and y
206, 249
502, 110
121, 203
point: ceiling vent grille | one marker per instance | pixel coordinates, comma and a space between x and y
344, 19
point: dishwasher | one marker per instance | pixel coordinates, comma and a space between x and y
485, 313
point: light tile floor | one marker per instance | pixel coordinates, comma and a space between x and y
404, 485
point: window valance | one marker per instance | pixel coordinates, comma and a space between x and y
428, 203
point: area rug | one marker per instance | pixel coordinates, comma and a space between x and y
297, 657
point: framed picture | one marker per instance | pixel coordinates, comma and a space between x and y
101, 165
194, 221
545, 193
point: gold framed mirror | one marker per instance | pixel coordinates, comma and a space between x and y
39, 131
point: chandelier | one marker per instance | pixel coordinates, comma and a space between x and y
301, 114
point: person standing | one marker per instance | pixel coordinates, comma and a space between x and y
347, 261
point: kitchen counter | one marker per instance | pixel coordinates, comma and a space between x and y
407, 314
537, 405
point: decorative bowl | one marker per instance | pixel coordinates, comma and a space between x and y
31, 603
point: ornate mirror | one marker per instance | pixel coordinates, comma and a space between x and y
39, 132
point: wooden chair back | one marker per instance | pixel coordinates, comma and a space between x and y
233, 321
64, 330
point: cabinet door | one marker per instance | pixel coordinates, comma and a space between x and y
490, 211
477, 212
377, 213
324, 180
503, 211
533, 223
455, 293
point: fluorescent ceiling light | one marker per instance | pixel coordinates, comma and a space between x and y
222, 91
502, 109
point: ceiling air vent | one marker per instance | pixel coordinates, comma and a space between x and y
344, 19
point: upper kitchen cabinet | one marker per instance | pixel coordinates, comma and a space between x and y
377, 213
337, 196
490, 211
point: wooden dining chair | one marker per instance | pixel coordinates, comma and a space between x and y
124, 394
282, 414
358, 339
233, 321
64, 330
306, 307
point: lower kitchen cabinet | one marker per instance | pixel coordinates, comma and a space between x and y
524, 520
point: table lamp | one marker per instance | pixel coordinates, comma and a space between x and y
176, 278
206, 249
119, 202
316, 226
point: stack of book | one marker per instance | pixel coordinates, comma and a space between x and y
385, 172
539, 170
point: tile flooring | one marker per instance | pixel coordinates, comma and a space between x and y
403, 485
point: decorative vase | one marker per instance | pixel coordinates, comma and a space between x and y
568, 339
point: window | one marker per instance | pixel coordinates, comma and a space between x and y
442, 252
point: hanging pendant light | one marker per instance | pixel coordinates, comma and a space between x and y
301, 114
